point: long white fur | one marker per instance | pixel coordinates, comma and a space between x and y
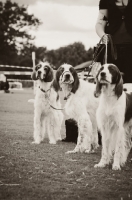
110, 118
46, 119
81, 106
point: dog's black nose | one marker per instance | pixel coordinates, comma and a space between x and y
67, 76
39, 72
102, 74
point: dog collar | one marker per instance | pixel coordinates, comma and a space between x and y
43, 90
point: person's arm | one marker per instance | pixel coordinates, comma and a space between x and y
101, 22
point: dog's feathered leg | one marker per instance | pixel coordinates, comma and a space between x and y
58, 116
104, 158
51, 127
37, 127
95, 144
84, 135
120, 149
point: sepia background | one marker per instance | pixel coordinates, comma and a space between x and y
50, 28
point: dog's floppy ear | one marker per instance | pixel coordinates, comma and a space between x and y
75, 84
33, 75
97, 91
119, 86
49, 75
56, 84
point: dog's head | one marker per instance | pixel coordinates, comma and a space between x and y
66, 75
109, 76
43, 72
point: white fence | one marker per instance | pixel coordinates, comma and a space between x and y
14, 74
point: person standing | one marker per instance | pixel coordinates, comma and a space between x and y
115, 18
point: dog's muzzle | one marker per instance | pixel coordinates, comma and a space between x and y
67, 78
102, 74
40, 75
103, 78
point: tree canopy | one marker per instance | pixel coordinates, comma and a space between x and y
16, 43
15, 22
73, 54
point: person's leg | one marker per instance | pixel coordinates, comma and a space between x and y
124, 62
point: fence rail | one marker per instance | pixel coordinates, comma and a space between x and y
11, 66
14, 73
17, 74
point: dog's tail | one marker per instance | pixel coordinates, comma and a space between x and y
31, 101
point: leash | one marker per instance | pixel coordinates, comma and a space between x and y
44, 90
48, 96
96, 53
106, 49
54, 107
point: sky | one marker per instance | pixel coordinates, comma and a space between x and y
64, 22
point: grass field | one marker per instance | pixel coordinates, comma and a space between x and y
39, 172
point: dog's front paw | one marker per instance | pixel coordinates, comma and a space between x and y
52, 142
94, 146
100, 165
36, 142
73, 151
59, 139
116, 167
89, 151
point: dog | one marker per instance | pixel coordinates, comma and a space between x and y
114, 117
80, 105
47, 116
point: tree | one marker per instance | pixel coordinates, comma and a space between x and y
73, 54
15, 22
25, 59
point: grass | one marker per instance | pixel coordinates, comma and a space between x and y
39, 172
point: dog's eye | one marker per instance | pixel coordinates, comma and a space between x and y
72, 70
112, 69
37, 67
61, 69
46, 68
101, 68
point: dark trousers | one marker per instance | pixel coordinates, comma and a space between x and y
71, 131
123, 61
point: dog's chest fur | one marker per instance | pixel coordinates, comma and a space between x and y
82, 101
42, 97
73, 106
42, 101
111, 111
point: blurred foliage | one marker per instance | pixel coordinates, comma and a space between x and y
15, 22
16, 45
73, 54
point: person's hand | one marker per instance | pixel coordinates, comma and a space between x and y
105, 39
